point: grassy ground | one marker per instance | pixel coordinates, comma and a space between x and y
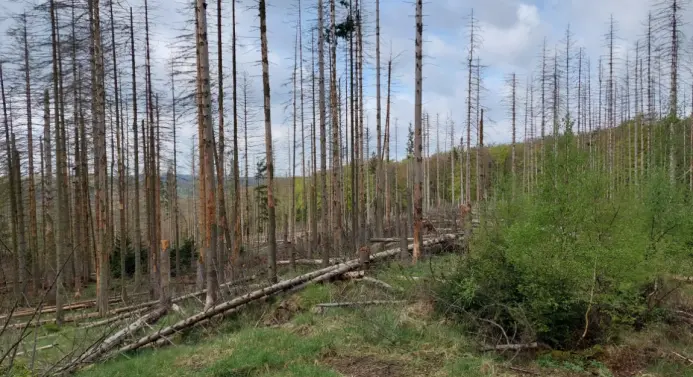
287, 337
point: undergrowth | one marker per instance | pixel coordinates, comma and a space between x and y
573, 262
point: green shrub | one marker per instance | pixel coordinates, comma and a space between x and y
575, 248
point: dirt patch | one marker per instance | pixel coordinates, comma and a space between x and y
284, 312
630, 361
366, 366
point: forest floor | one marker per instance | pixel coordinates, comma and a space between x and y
288, 336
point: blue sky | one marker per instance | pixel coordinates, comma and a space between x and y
512, 33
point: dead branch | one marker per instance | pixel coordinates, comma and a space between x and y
38, 349
358, 303
381, 284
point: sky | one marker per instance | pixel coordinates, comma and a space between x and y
511, 31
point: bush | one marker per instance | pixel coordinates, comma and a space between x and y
573, 261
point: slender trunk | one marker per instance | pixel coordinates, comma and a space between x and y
386, 145
174, 188
218, 161
314, 236
325, 233
470, 64
418, 184
207, 155
513, 113
99, 126
268, 145
292, 218
137, 241
48, 230
121, 173
236, 215
33, 232
303, 140
20, 262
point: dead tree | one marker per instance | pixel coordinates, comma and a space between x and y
99, 127
418, 181
272, 240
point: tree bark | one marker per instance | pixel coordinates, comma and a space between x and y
272, 240
137, 241
418, 182
100, 167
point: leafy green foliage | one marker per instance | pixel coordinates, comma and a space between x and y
573, 261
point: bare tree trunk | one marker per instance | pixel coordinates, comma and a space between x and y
292, 219
204, 103
336, 160
314, 236
137, 241
470, 64
379, 168
303, 140
33, 232
218, 161
121, 168
237, 234
245, 145
325, 233
362, 160
20, 262
99, 126
268, 146
513, 114
418, 184
21, 224
386, 145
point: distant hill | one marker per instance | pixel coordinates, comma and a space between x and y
186, 182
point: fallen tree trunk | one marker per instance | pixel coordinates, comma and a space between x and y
298, 282
380, 283
36, 323
181, 298
37, 349
514, 347
308, 262
74, 306
114, 340
388, 240
113, 319
361, 276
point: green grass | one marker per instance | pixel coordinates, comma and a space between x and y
284, 338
